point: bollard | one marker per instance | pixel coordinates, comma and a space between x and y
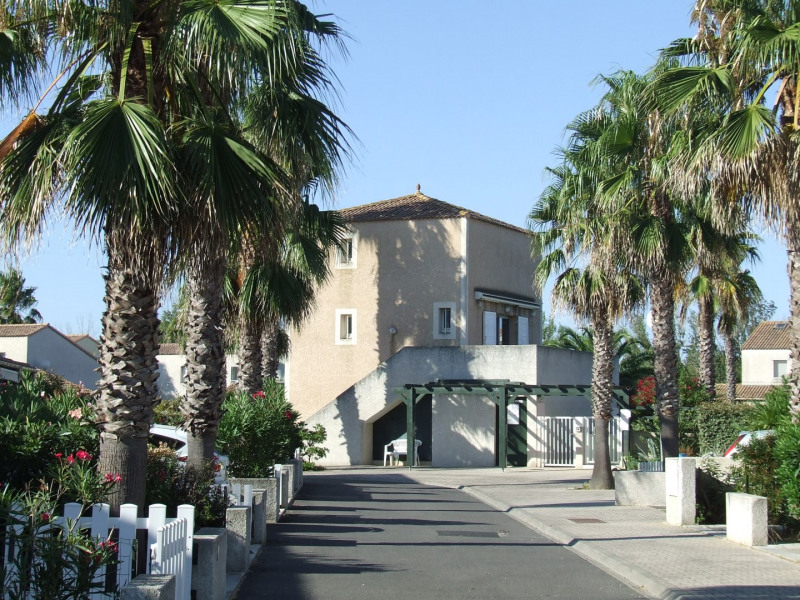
149, 587
259, 535
208, 576
238, 523
747, 519
679, 482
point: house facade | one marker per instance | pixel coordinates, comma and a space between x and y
766, 359
172, 371
424, 290
44, 347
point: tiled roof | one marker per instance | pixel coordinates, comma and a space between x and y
20, 330
769, 335
77, 337
173, 349
744, 392
412, 207
13, 364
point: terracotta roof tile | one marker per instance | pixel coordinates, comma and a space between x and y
413, 207
170, 349
769, 335
744, 392
21, 330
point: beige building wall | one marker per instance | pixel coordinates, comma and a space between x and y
400, 275
401, 269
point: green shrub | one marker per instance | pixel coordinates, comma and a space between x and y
258, 431
787, 455
172, 483
313, 449
711, 485
168, 412
755, 472
718, 424
773, 411
38, 419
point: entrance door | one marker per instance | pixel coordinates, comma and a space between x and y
517, 434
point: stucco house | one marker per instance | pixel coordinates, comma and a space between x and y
172, 371
765, 359
423, 290
87, 342
43, 347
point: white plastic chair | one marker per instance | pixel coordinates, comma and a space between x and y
400, 447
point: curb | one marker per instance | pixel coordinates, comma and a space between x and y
630, 574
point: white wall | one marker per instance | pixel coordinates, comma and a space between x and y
169, 373
15, 348
348, 418
50, 351
757, 366
463, 431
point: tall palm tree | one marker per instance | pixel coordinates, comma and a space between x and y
579, 245
300, 70
141, 133
641, 139
747, 55
17, 302
736, 295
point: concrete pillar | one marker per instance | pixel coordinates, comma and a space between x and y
536, 448
291, 478
238, 523
259, 517
680, 487
580, 434
272, 505
208, 574
149, 587
747, 519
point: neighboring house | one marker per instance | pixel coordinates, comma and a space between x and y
172, 371
424, 290
10, 370
87, 342
44, 347
765, 360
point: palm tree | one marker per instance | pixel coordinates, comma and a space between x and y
300, 73
17, 303
747, 53
641, 139
579, 244
736, 295
141, 134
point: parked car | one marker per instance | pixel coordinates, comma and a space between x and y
177, 438
744, 439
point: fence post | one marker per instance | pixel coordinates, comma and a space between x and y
127, 536
186, 511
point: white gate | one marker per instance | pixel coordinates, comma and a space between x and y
614, 441
558, 441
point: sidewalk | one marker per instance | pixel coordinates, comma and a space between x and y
632, 543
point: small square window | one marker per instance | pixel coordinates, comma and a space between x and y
444, 320
345, 326
184, 372
346, 253
234, 374
779, 368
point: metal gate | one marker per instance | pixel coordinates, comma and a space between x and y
559, 446
614, 441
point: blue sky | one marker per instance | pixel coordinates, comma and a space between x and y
468, 99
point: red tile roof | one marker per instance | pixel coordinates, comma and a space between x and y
769, 335
415, 206
743, 392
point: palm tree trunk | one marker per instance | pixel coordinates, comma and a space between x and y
665, 361
730, 366
602, 397
127, 390
793, 250
707, 346
270, 350
250, 332
205, 359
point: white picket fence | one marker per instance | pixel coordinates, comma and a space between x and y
564, 436
169, 541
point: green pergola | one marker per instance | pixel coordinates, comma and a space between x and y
500, 391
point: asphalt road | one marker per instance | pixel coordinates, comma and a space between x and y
382, 536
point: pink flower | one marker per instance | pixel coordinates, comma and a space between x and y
45, 516
76, 414
288, 414
70, 459
83, 455
259, 394
58, 455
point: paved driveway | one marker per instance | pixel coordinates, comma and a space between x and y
383, 536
